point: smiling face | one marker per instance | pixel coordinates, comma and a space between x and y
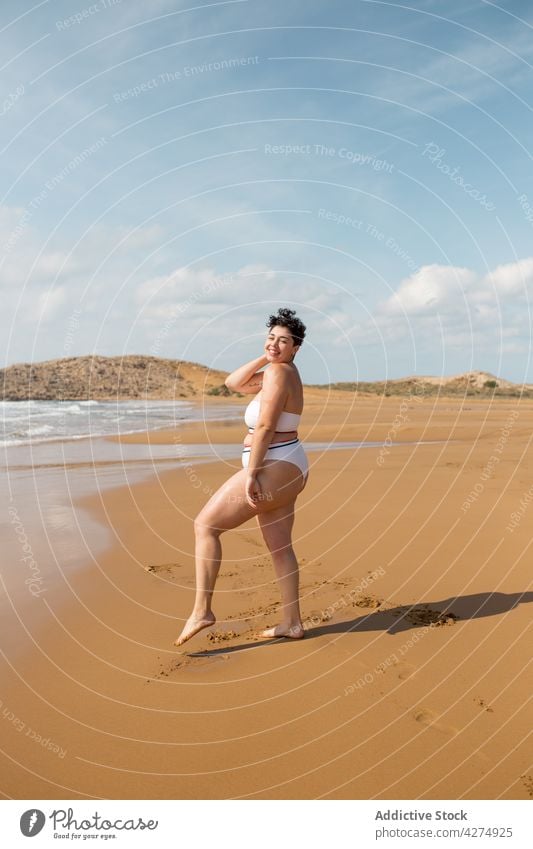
279, 345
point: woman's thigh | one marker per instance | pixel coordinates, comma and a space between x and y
228, 508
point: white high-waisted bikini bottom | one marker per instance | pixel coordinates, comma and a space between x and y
291, 452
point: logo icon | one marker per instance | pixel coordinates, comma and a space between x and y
31, 822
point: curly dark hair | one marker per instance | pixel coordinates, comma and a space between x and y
287, 318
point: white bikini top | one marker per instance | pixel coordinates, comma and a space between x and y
286, 422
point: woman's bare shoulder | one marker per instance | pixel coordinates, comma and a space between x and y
279, 373
283, 380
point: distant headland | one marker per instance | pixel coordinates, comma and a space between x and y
155, 378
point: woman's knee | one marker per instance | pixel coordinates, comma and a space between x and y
203, 525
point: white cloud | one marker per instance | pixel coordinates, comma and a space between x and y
44, 306
515, 278
451, 290
431, 289
456, 306
189, 287
20, 272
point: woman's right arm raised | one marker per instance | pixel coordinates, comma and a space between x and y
247, 379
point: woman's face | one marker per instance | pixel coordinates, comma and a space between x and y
279, 345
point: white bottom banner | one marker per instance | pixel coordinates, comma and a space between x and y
262, 824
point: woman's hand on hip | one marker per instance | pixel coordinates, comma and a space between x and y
253, 489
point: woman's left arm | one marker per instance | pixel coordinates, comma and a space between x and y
273, 397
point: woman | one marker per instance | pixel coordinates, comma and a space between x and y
274, 472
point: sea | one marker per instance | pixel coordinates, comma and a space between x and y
24, 422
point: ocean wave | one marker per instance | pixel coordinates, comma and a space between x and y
27, 422
33, 431
7, 443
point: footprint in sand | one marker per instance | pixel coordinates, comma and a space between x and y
190, 662
164, 569
483, 704
428, 717
404, 669
527, 781
221, 636
252, 541
263, 610
317, 616
424, 615
367, 601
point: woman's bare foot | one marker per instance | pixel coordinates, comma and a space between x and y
193, 625
293, 632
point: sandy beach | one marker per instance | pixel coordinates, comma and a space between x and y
413, 681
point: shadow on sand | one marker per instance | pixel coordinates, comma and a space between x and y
401, 618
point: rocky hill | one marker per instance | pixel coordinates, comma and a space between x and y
471, 384
154, 378
109, 378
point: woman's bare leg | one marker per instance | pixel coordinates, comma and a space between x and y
276, 527
226, 509
208, 555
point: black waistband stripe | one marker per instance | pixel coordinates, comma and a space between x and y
277, 445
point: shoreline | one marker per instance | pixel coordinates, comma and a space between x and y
385, 698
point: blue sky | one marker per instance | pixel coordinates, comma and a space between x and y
172, 173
